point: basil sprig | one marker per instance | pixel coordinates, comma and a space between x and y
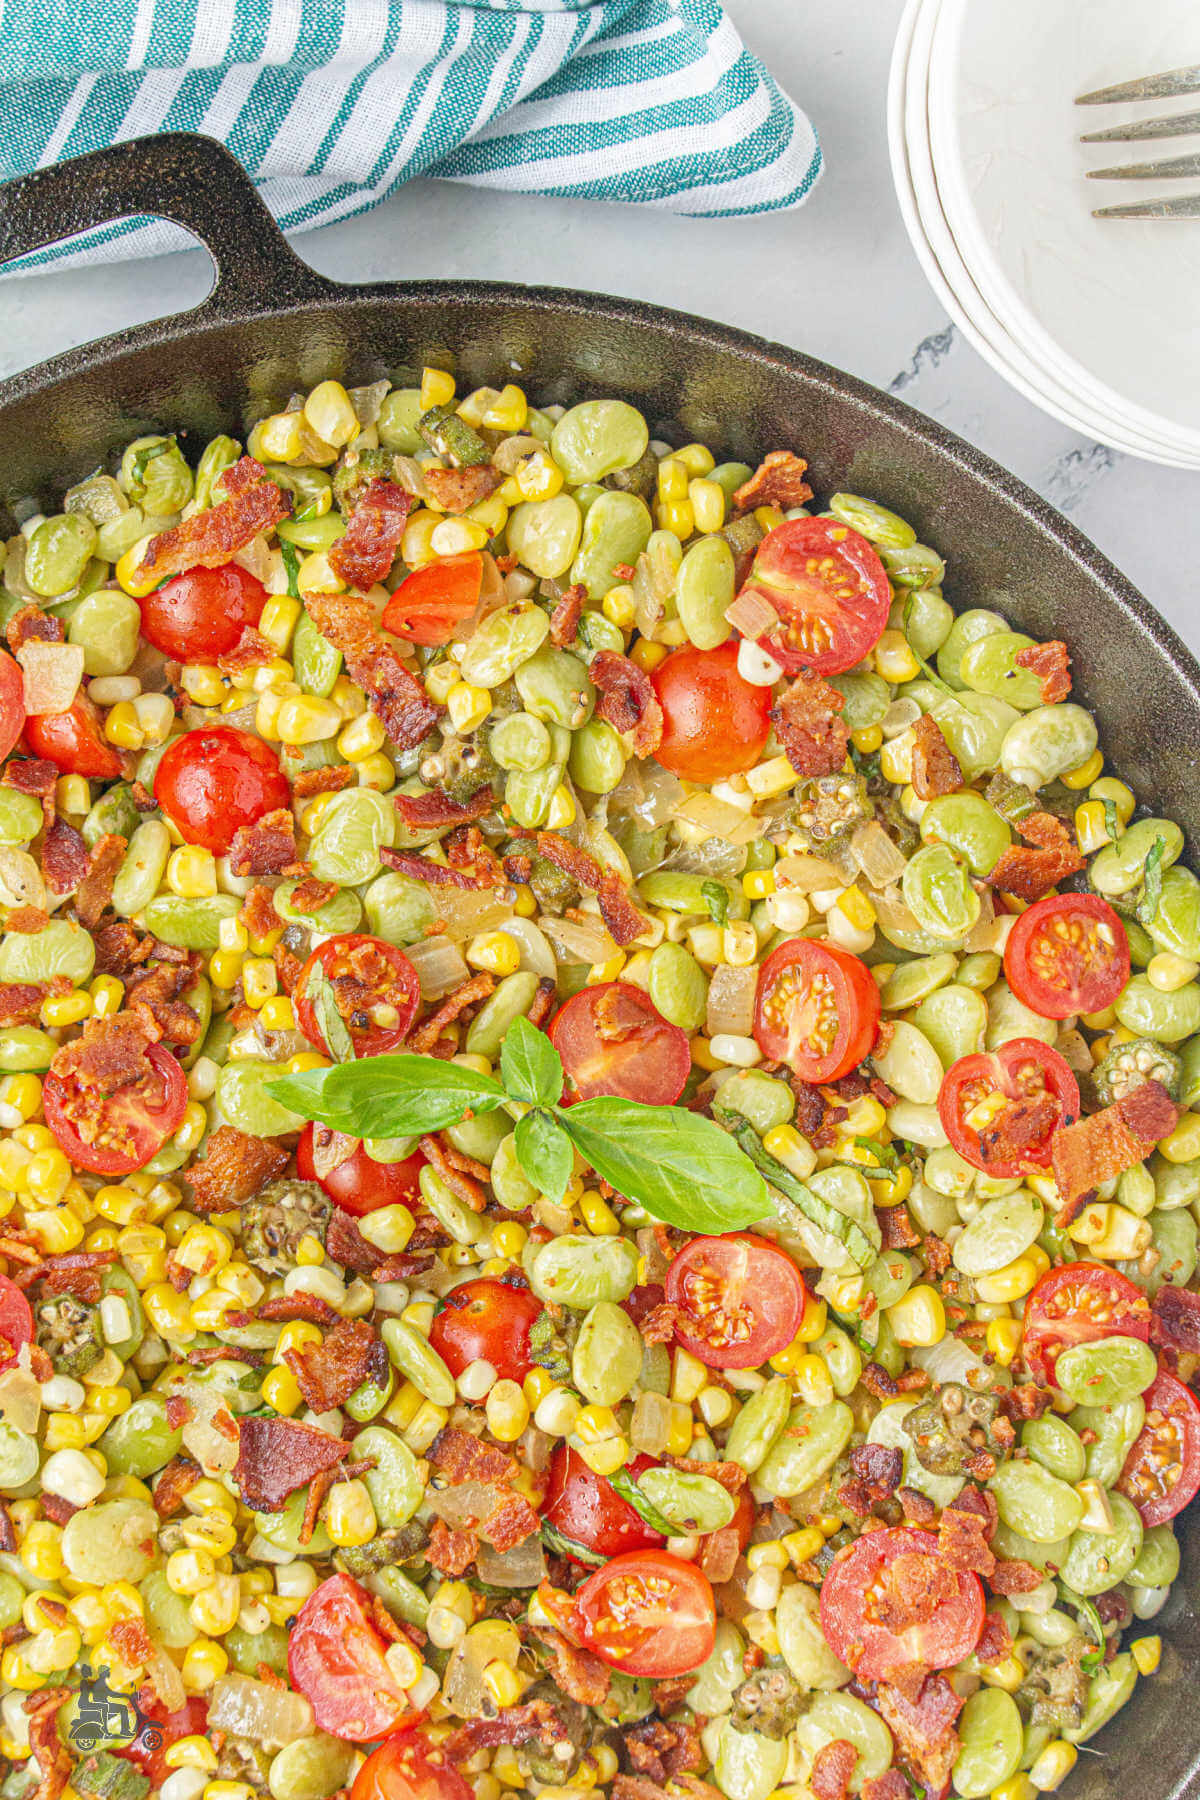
679, 1166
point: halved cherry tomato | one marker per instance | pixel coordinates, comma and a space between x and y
830, 590
73, 741
1077, 1304
486, 1321
158, 1732
648, 1613
715, 722
1040, 1092
1162, 1471
199, 615
432, 602
407, 1768
336, 1660
586, 1510
16, 1322
1067, 954
740, 1299
359, 1184
873, 1575
375, 988
613, 1040
113, 1134
12, 703
817, 1008
211, 782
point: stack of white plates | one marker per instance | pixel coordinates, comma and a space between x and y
1097, 321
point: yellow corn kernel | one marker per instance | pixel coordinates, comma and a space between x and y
894, 658
802, 1546
758, 883
67, 1009
107, 994
225, 968
1004, 1340
776, 776
317, 575
1169, 973
126, 567
707, 500
349, 1514
697, 459
647, 656
494, 951
304, 719
260, 979
56, 1231
203, 683
192, 872
1116, 791
362, 737
688, 1376
538, 476
1051, 1768
191, 1753
1146, 1653
1014, 1280
1091, 827
599, 973
508, 411
168, 1312
503, 1683
47, 1176
278, 438
677, 516
812, 1324
453, 537
507, 1411
702, 1054
509, 1239
679, 1429
297, 1334
215, 1611
672, 479
41, 1546
562, 808
1007, 1674
204, 1663
437, 388
24, 1092
618, 607
812, 1381
330, 411
1182, 1144
427, 1422
1017, 1787
918, 1318
772, 1555
1086, 773
468, 706
310, 1252
739, 943
794, 1151
121, 727
416, 546
606, 1458
376, 771
536, 1385
598, 1215
277, 1013
596, 1423
72, 794
278, 619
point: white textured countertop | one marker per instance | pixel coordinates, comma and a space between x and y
836, 279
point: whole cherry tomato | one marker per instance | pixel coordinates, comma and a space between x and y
715, 722
210, 783
359, 1184
199, 615
487, 1320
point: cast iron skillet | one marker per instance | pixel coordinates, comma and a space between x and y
271, 326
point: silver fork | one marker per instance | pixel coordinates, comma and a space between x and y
1165, 86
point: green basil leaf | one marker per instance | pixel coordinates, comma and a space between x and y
389, 1096
544, 1152
1089, 1617
716, 898
884, 1154
318, 991
530, 1066
1152, 883
291, 564
629, 1490
1112, 821
681, 1167
796, 1196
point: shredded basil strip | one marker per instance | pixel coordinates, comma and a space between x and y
627, 1487
818, 1212
1152, 882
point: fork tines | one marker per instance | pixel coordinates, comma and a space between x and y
1167, 85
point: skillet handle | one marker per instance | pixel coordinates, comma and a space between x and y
193, 181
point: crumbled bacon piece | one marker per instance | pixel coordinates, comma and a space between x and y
366, 552
95, 890
577, 1672
267, 847
477, 988
935, 768
56, 1509
133, 1641
995, 1640
923, 1728
451, 1552
1175, 1319
467, 1187
457, 490
963, 1541
777, 481
627, 700
719, 1553
234, 1168
917, 1507
1013, 1576
543, 1002
32, 775
729, 1475
832, 1768
120, 948
31, 622
27, 921
1020, 1129
428, 812
8, 1536
1029, 873
877, 1381
1051, 664
660, 1750
619, 913
658, 1326
1106, 1143
21, 1001
420, 868
461, 1457
211, 538
282, 1309
64, 858
896, 1228
329, 780
636, 1787
252, 651
345, 1244
277, 1456
537, 1719
153, 997
55, 1762
310, 895
329, 1372
397, 698
111, 1054
509, 1521
891, 1785
564, 620
258, 913
288, 967
1023, 1401
807, 724
880, 1466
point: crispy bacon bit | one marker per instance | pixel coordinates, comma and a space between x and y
95, 890
924, 1728
310, 895
935, 768
397, 697
345, 1244
56, 1509
372, 538
891, 1785
120, 948
267, 847
1015, 1577
323, 781
577, 1672
1175, 1319
111, 1054
252, 651
55, 1762
457, 490
832, 1768
1024, 1401
461, 1457
564, 620
777, 481
509, 1522
284, 1308
877, 1381
896, 1228
451, 1552
1106, 1143
428, 812
995, 1640
1021, 1126
211, 538
660, 1751
543, 1002
179, 1412
32, 775
879, 1465
153, 997
234, 1168
133, 1641
329, 1372
277, 1456
21, 1001
468, 1189
1051, 664
512, 1725
8, 1536
617, 910
1027, 873
420, 868
963, 1541
636, 1787
27, 921
64, 858
658, 1326
917, 1507
719, 1553
477, 988
729, 1475
806, 723
627, 700
30, 623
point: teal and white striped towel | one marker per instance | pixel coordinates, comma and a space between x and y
331, 104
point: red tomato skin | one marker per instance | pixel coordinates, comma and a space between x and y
715, 723
650, 1061
406, 1768
1078, 1303
486, 1320
586, 1509
152, 1130
191, 1720
871, 1649
1169, 1396
199, 615
677, 1643
359, 1185
431, 602
404, 992
830, 590
998, 1068
73, 741
1100, 985
211, 782
766, 1284
336, 1660
854, 998
16, 1322
12, 703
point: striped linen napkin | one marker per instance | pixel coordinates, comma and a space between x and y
331, 104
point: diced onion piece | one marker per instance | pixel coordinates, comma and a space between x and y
330, 1151
751, 614
892, 913
876, 854
462, 1505
952, 1360
756, 666
244, 1707
21, 881
440, 966
650, 1426
410, 476
367, 401
578, 941
719, 818
465, 912
523, 1566
210, 1435
166, 1680
731, 1001
807, 874
52, 674
536, 954
21, 1396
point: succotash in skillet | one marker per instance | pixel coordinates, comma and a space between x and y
597, 1172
